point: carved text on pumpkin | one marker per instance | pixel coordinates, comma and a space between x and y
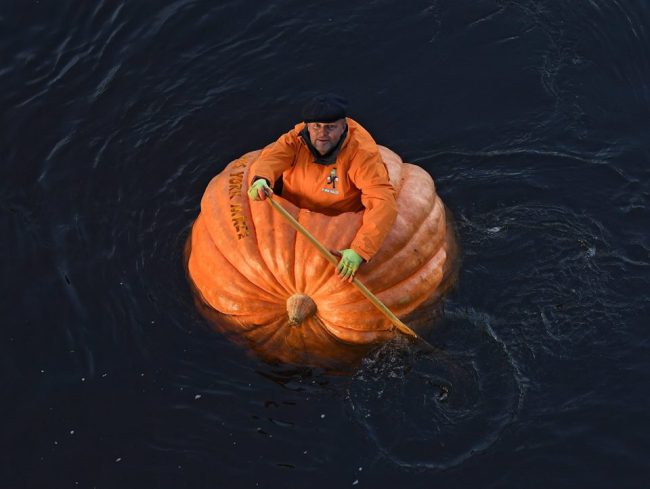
235, 181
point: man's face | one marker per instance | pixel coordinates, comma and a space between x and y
325, 135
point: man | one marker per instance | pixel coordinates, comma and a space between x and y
330, 164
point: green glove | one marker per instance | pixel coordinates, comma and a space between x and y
257, 191
349, 264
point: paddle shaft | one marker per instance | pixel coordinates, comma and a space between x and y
332, 259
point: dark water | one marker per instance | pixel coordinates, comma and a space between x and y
532, 116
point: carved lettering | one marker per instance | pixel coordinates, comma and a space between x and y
235, 182
239, 164
238, 221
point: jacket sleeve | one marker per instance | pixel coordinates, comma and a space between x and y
275, 159
369, 175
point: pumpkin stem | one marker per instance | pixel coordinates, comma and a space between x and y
299, 308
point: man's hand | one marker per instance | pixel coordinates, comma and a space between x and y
349, 264
259, 189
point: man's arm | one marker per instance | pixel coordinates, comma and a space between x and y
370, 176
274, 159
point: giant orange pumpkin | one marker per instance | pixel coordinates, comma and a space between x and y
264, 284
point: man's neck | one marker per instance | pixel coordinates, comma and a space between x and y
329, 157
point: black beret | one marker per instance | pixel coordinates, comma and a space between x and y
327, 107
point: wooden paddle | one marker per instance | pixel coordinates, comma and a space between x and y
403, 328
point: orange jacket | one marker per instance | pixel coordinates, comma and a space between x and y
357, 180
